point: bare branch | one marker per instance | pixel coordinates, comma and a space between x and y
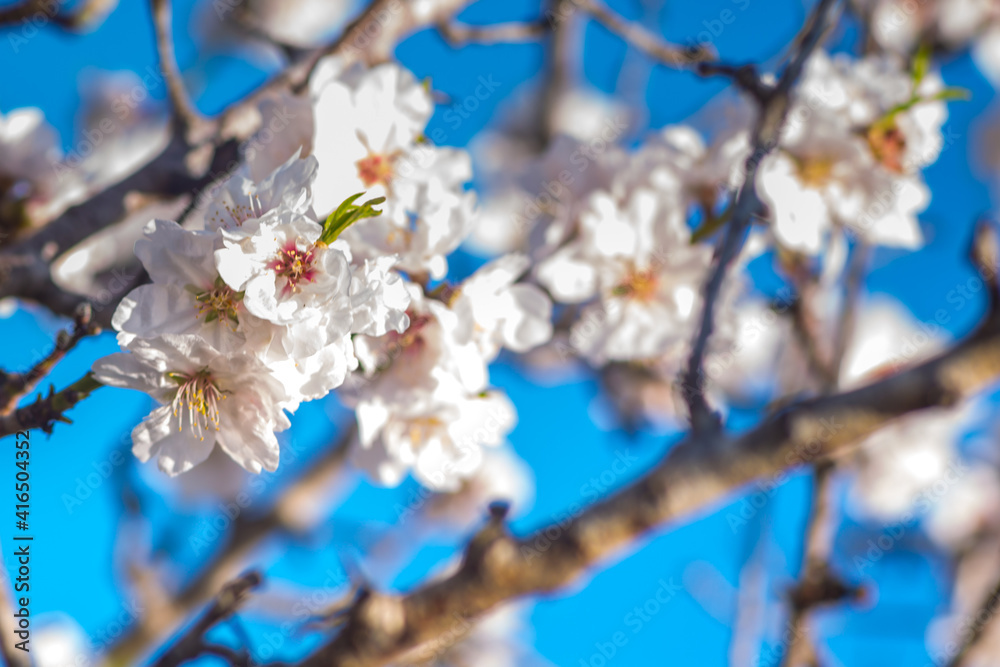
17, 385
186, 116
48, 410
192, 643
698, 473
247, 533
459, 34
653, 46
89, 15
771, 117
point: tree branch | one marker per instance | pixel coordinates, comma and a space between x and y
87, 16
457, 33
17, 385
774, 107
653, 46
192, 643
186, 116
699, 472
45, 411
247, 533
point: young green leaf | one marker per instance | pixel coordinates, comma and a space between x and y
346, 215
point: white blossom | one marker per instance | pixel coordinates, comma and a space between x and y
207, 398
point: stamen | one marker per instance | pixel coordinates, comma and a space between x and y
219, 303
199, 396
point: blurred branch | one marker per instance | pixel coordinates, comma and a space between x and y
16, 386
247, 533
89, 15
773, 108
459, 34
652, 45
186, 166
192, 643
186, 116
984, 614
818, 585
698, 473
856, 271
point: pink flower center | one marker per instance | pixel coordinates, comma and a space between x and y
295, 266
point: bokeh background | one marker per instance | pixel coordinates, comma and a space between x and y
732, 574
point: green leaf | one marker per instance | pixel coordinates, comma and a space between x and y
346, 215
921, 63
952, 94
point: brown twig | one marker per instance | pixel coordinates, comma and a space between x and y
497, 567
774, 105
653, 46
247, 533
185, 116
47, 410
47, 10
16, 386
192, 643
457, 33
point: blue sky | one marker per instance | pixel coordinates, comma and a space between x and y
74, 559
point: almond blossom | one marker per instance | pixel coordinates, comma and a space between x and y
850, 155
207, 397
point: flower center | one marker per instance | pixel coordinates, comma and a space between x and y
815, 172
295, 266
198, 397
375, 168
422, 428
240, 213
638, 285
219, 303
888, 145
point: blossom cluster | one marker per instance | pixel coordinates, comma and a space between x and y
316, 275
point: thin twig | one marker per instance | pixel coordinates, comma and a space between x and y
47, 410
247, 533
16, 386
186, 116
45, 11
192, 643
653, 46
771, 117
459, 34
